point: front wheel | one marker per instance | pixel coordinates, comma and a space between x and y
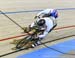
23, 42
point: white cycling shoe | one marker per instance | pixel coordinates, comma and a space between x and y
36, 44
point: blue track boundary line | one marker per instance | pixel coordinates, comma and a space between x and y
26, 11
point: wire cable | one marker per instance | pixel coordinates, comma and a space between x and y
11, 19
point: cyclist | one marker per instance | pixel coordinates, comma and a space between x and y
46, 22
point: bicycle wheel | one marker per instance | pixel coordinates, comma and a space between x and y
23, 42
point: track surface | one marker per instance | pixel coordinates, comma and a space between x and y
24, 11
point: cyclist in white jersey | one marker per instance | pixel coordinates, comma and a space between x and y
46, 20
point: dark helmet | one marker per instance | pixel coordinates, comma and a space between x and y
41, 22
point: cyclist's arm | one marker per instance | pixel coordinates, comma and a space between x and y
32, 25
43, 35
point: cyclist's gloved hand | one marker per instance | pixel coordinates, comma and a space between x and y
26, 29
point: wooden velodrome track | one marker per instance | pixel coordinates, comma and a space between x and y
22, 12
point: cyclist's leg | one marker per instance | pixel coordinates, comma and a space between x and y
37, 42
